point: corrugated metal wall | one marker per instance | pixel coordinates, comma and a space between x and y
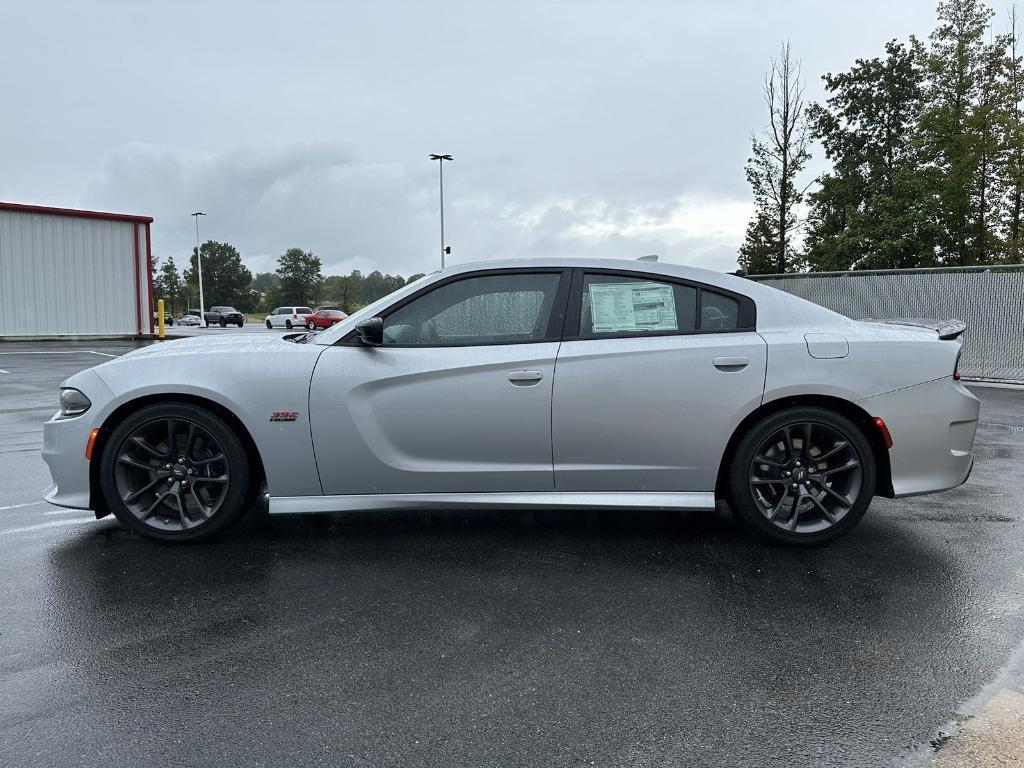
69, 275
990, 301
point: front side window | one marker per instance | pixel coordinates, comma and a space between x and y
615, 304
506, 308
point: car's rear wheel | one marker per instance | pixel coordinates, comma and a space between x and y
175, 473
802, 476
288, 324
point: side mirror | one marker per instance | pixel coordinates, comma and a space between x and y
371, 332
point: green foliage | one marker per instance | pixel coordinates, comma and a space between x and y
873, 210
225, 279
169, 285
299, 279
927, 151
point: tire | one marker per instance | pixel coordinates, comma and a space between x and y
223, 323
334, 322
288, 324
270, 325
134, 464
207, 323
311, 326
241, 324
841, 467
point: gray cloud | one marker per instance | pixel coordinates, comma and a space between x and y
597, 127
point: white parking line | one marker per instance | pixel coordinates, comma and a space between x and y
62, 352
3, 371
54, 524
26, 504
67, 511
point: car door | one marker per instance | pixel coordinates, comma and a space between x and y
653, 376
456, 399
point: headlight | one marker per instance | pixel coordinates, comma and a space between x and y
73, 403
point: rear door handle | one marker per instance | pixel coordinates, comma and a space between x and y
525, 378
729, 363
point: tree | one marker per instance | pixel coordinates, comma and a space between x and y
225, 279
777, 158
299, 280
872, 210
955, 129
263, 282
1013, 138
169, 284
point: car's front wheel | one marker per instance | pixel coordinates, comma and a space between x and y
175, 473
803, 476
269, 324
311, 325
223, 323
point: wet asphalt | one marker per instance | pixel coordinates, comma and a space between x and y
495, 639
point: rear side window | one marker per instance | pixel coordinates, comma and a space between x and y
614, 304
718, 312
304, 311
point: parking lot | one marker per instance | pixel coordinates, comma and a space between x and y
498, 638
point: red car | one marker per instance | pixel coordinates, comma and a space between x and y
324, 318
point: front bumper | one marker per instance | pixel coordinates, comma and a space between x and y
64, 442
933, 427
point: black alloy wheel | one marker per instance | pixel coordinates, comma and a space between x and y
175, 472
803, 476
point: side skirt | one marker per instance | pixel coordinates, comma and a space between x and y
285, 505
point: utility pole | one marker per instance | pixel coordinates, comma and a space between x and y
440, 178
199, 261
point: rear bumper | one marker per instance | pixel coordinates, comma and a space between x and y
933, 427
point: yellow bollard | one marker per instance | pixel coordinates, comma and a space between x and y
160, 318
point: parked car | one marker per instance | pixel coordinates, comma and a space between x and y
324, 318
336, 309
168, 318
288, 317
189, 320
224, 316
528, 383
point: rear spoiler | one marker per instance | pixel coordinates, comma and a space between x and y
946, 329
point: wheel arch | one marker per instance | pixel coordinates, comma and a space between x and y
856, 414
119, 414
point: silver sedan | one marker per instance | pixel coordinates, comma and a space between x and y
527, 383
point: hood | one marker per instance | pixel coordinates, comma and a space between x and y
233, 343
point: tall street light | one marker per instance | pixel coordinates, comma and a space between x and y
440, 177
199, 260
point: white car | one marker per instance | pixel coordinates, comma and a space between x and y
288, 317
527, 384
189, 320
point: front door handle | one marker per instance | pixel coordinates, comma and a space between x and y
730, 363
524, 378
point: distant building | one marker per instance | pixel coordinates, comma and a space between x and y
67, 272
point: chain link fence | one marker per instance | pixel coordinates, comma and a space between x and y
989, 299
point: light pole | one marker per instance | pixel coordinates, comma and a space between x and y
440, 177
199, 261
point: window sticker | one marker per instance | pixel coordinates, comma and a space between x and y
632, 306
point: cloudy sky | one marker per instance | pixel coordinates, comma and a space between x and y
599, 128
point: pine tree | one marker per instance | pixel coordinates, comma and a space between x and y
777, 158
